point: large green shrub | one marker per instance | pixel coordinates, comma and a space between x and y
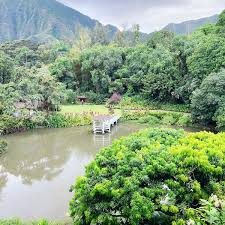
151, 120
11, 124
58, 120
155, 176
208, 100
158, 117
138, 102
219, 117
135, 102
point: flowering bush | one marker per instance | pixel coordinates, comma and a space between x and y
115, 99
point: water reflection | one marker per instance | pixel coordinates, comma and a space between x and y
105, 140
3, 179
40, 166
36, 156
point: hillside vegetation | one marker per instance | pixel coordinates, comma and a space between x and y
185, 72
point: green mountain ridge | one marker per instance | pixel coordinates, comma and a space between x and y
188, 27
42, 20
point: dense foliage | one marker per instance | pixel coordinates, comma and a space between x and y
168, 70
160, 69
154, 118
10, 124
208, 102
211, 212
155, 176
152, 177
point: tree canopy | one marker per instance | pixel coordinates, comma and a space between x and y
152, 177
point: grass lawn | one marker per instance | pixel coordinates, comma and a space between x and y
86, 108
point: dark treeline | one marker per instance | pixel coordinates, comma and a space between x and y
168, 68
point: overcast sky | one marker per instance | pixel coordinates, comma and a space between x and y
150, 14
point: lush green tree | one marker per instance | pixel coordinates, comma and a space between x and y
84, 39
38, 89
136, 66
221, 19
62, 70
163, 76
25, 57
51, 92
136, 34
220, 26
120, 39
161, 38
207, 29
99, 35
181, 48
6, 68
100, 64
219, 117
8, 96
20, 72
208, 57
208, 99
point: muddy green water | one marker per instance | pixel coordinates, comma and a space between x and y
40, 165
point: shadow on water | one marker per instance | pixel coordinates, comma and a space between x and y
40, 165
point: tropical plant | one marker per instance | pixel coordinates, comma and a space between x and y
208, 100
211, 212
155, 176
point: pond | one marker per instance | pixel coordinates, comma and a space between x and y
40, 166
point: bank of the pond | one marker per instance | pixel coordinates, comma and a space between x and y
10, 124
69, 116
163, 118
74, 117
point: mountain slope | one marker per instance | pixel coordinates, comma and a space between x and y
190, 26
41, 19
47, 20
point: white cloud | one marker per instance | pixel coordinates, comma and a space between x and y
150, 14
